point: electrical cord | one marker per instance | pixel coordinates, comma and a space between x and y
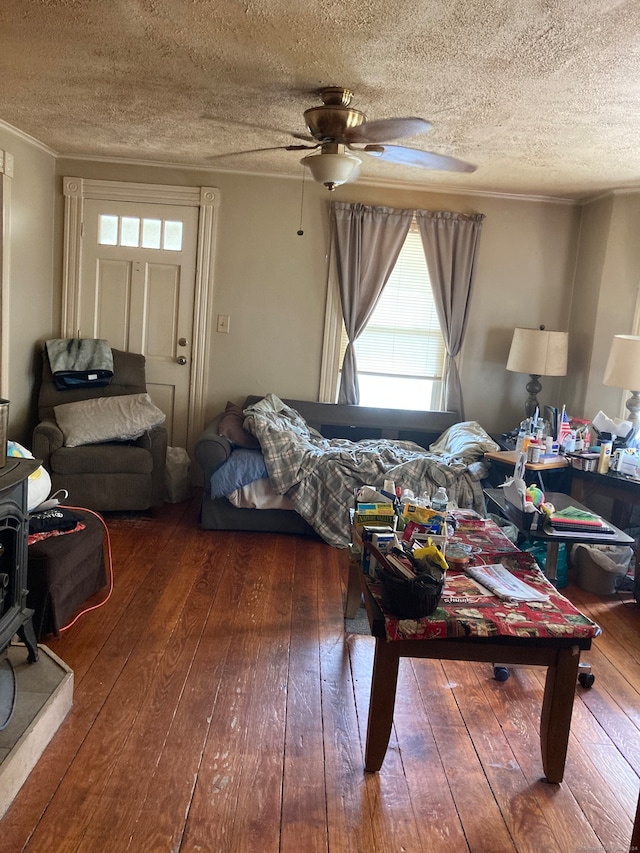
109, 562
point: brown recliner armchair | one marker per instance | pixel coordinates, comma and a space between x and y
111, 476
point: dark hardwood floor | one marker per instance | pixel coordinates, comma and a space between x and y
220, 707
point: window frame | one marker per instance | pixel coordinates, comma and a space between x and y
332, 339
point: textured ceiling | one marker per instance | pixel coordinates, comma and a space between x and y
543, 96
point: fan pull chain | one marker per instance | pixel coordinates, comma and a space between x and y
300, 232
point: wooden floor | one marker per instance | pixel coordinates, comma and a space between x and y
220, 707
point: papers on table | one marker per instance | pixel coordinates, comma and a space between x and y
616, 426
504, 583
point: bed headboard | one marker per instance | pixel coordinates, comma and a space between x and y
338, 420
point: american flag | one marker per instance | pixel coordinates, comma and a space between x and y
564, 427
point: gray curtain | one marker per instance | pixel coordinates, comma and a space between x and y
450, 241
368, 241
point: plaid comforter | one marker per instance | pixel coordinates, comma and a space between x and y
319, 475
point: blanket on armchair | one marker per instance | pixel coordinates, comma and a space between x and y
319, 475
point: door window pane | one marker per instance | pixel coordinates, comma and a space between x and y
108, 230
130, 231
151, 233
172, 236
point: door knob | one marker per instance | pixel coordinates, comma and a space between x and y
182, 342
181, 359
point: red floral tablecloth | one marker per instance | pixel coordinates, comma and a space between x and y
462, 612
482, 534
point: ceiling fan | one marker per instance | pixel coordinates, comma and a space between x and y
336, 127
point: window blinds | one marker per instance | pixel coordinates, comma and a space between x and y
403, 336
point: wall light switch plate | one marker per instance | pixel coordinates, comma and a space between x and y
223, 323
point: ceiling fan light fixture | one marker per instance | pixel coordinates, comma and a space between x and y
331, 170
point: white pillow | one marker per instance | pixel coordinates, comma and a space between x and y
122, 418
466, 441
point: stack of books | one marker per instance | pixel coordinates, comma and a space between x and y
574, 520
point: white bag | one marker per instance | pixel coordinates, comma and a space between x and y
177, 475
39, 484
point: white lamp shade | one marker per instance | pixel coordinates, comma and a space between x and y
539, 352
332, 170
623, 366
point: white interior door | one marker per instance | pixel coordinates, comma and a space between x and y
137, 285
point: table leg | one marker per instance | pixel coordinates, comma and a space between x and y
557, 708
381, 703
354, 590
551, 567
635, 835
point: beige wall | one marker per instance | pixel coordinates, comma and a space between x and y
273, 283
610, 268
32, 287
594, 230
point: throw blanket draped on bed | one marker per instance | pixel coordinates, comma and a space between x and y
319, 475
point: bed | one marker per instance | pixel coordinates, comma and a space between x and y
293, 466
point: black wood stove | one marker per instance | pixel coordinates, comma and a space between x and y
15, 616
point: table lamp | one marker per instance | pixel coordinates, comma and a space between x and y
623, 371
538, 353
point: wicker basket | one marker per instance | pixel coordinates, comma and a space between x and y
409, 599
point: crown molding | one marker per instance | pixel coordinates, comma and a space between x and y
25, 137
387, 184
615, 191
444, 189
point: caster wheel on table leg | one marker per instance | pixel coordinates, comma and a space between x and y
586, 679
500, 673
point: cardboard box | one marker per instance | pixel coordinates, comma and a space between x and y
584, 461
365, 533
628, 462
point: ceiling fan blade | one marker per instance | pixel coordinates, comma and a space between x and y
258, 150
386, 128
414, 157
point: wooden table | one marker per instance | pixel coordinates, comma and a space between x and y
561, 656
624, 491
553, 540
508, 459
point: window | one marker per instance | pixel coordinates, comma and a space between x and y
401, 352
127, 231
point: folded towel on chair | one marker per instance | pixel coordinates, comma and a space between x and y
80, 362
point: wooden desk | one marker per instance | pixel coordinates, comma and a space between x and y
561, 656
553, 540
624, 491
508, 458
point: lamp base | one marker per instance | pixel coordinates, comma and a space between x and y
533, 389
633, 404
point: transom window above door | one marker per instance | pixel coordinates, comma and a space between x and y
134, 232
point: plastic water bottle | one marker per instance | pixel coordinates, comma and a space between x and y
440, 500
